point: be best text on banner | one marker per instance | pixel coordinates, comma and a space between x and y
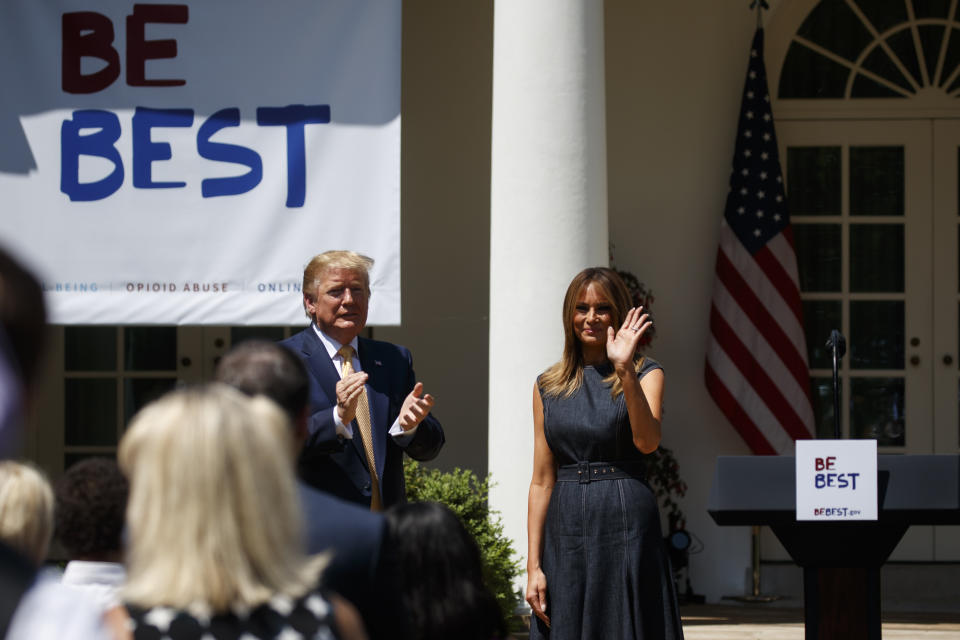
180, 163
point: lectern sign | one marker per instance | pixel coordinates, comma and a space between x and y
836, 479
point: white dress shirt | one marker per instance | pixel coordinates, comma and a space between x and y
100, 580
50, 610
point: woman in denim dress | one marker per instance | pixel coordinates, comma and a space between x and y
597, 566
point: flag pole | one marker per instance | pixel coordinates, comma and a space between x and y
759, 5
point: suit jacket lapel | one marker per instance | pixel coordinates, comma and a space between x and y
320, 364
379, 402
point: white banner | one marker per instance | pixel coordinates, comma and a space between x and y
180, 163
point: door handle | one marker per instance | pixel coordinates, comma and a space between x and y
914, 360
947, 359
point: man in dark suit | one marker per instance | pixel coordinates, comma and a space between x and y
352, 534
367, 406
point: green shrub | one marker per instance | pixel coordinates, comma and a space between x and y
466, 496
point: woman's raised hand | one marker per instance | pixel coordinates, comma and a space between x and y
622, 345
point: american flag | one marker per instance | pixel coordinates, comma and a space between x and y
756, 368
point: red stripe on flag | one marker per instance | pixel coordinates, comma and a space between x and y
736, 415
757, 376
780, 279
766, 324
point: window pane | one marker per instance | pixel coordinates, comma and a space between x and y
820, 317
876, 181
821, 391
813, 180
807, 74
880, 63
139, 391
818, 256
150, 348
952, 59
834, 26
884, 14
239, 334
931, 37
876, 257
876, 410
864, 87
70, 459
901, 43
90, 348
931, 8
876, 334
90, 411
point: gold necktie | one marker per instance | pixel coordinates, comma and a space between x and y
363, 421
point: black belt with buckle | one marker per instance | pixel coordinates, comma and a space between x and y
585, 472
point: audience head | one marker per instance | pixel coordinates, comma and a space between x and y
26, 510
23, 317
259, 367
23, 333
213, 516
440, 574
91, 500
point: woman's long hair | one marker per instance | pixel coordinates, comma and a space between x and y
438, 572
213, 514
566, 376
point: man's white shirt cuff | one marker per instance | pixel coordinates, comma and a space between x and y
343, 430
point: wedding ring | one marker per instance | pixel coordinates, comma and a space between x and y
634, 328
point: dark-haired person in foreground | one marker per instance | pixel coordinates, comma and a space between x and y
31, 606
91, 500
438, 576
353, 534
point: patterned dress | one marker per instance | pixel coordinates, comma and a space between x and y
607, 571
282, 618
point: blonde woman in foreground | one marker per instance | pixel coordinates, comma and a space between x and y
214, 525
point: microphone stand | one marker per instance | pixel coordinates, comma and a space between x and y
838, 346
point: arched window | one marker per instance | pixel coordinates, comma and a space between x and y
874, 49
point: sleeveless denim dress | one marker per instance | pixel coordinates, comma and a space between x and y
608, 575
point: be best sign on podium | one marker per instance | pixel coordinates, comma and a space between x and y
836, 480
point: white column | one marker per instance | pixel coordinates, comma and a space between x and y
548, 213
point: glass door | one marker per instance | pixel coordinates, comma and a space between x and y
860, 202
